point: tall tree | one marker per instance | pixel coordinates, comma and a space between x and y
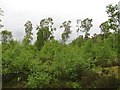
105, 28
113, 14
86, 24
28, 30
67, 26
6, 36
114, 21
47, 24
40, 39
78, 26
45, 32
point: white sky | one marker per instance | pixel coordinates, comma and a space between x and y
18, 12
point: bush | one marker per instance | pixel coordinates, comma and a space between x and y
39, 80
66, 65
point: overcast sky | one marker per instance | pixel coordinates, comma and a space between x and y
18, 12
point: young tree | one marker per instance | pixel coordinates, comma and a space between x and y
105, 28
113, 21
48, 25
45, 32
28, 30
6, 36
78, 26
40, 39
113, 14
66, 25
86, 24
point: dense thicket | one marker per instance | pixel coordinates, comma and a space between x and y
86, 62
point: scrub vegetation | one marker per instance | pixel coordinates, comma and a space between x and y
86, 62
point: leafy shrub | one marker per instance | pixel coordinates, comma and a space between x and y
66, 65
39, 80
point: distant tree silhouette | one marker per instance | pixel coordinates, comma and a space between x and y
66, 25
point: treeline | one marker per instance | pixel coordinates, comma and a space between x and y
87, 62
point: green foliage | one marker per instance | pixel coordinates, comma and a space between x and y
40, 40
60, 64
38, 80
6, 36
66, 25
49, 50
28, 30
45, 32
72, 84
105, 28
113, 14
84, 63
78, 41
86, 24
